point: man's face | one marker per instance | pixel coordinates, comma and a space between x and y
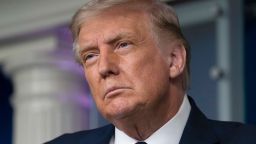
126, 70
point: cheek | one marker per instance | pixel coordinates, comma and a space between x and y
91, 79
152, 75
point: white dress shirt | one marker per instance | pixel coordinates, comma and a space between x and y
169, 133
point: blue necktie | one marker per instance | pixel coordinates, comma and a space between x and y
140, 143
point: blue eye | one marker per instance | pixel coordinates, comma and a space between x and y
123, 45
89, 56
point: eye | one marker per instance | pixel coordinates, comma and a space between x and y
123, 45
89, 57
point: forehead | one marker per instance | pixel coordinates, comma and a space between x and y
113, 22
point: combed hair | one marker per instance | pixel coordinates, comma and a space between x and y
163, 17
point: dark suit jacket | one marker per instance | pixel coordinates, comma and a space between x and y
198, 130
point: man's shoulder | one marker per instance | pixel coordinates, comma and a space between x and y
104, 132
199, 128
234, 132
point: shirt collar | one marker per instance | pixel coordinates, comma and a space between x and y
169, 133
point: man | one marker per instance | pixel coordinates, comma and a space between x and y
136, 62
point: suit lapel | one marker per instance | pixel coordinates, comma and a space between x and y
197, 129
100, 136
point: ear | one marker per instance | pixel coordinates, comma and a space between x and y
177, 59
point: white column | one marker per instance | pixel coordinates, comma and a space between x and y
228, 18
49, 92
229, 28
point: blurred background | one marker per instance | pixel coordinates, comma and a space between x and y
43, 93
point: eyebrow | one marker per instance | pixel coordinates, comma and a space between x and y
86, 46
117, 37
110, 40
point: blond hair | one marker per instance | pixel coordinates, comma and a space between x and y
162, 17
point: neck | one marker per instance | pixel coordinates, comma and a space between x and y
144, 123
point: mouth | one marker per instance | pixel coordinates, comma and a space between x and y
113, 91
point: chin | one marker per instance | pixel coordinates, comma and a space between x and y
119, 108
118, 113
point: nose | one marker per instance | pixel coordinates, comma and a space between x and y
108, 64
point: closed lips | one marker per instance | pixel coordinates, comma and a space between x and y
112, 90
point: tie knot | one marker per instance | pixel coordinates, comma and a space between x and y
140, 143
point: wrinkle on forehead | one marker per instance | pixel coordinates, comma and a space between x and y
130, 25
110, 38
